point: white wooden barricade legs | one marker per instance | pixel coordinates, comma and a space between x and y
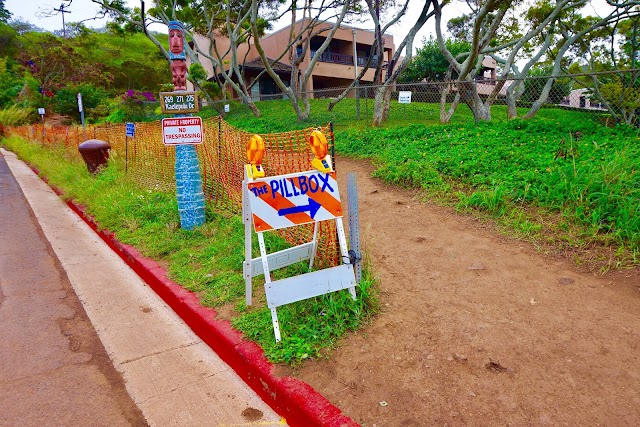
286, 201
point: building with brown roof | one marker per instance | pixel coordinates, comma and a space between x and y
337, 66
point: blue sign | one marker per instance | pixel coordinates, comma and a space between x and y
131, 129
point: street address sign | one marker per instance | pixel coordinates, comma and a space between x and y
182, 130
179, 102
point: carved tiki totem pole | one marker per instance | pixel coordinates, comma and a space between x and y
177, 56
188, 180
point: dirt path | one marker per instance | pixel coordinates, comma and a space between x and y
478, 329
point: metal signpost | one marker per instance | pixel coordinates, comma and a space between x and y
81, 110
290, 200
41, 112
354, 224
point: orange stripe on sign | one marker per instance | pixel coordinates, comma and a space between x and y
326, 200
279, 202
260, 224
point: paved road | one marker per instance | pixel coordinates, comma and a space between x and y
53, 368
77, 324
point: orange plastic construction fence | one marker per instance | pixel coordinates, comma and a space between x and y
222, 158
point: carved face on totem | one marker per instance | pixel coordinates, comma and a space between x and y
176, 41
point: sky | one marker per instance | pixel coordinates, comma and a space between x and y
31, 10
34, 10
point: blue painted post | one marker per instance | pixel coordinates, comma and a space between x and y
188, 179
189, 187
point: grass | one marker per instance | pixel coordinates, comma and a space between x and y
278, 115
15, 116
207, 260
566, 165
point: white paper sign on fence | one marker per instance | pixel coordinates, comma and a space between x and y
404, 97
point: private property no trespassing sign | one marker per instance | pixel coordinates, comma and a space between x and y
182, 130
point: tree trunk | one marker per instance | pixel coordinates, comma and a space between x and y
252, 106
483, 108
469, 95
514, 92
544, 95
445, 116
382, 104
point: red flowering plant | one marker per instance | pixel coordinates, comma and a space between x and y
138, 97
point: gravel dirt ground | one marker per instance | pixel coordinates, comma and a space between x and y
479, 329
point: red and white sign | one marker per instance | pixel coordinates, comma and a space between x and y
182, 130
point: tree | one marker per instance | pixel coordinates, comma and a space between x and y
210, 19
395, 67
8, 41
5, 15
611, 59
550, 30
536, 81
23, 27
55, 63
429, 63
487, 17
299, 43
10, 83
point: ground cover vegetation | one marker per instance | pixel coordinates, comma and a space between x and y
208, 260
564, 178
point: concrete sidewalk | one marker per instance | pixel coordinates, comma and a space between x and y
172, 376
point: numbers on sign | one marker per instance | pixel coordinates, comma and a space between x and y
180, 98
190, 98
182, 129
168, 99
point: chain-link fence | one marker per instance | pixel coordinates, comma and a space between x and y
612, 94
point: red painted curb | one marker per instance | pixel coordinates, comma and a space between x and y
296, 401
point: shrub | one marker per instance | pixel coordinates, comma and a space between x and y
65, 101
15, 116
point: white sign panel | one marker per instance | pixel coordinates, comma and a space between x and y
80, 107
404, 97
182, 130
41, 111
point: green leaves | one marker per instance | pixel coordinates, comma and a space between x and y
568, 164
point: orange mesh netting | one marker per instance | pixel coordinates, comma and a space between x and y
222, 158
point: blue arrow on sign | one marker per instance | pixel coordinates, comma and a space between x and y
312, 207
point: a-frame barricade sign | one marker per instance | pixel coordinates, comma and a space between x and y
276, 202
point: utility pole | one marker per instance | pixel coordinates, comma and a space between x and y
63, 11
